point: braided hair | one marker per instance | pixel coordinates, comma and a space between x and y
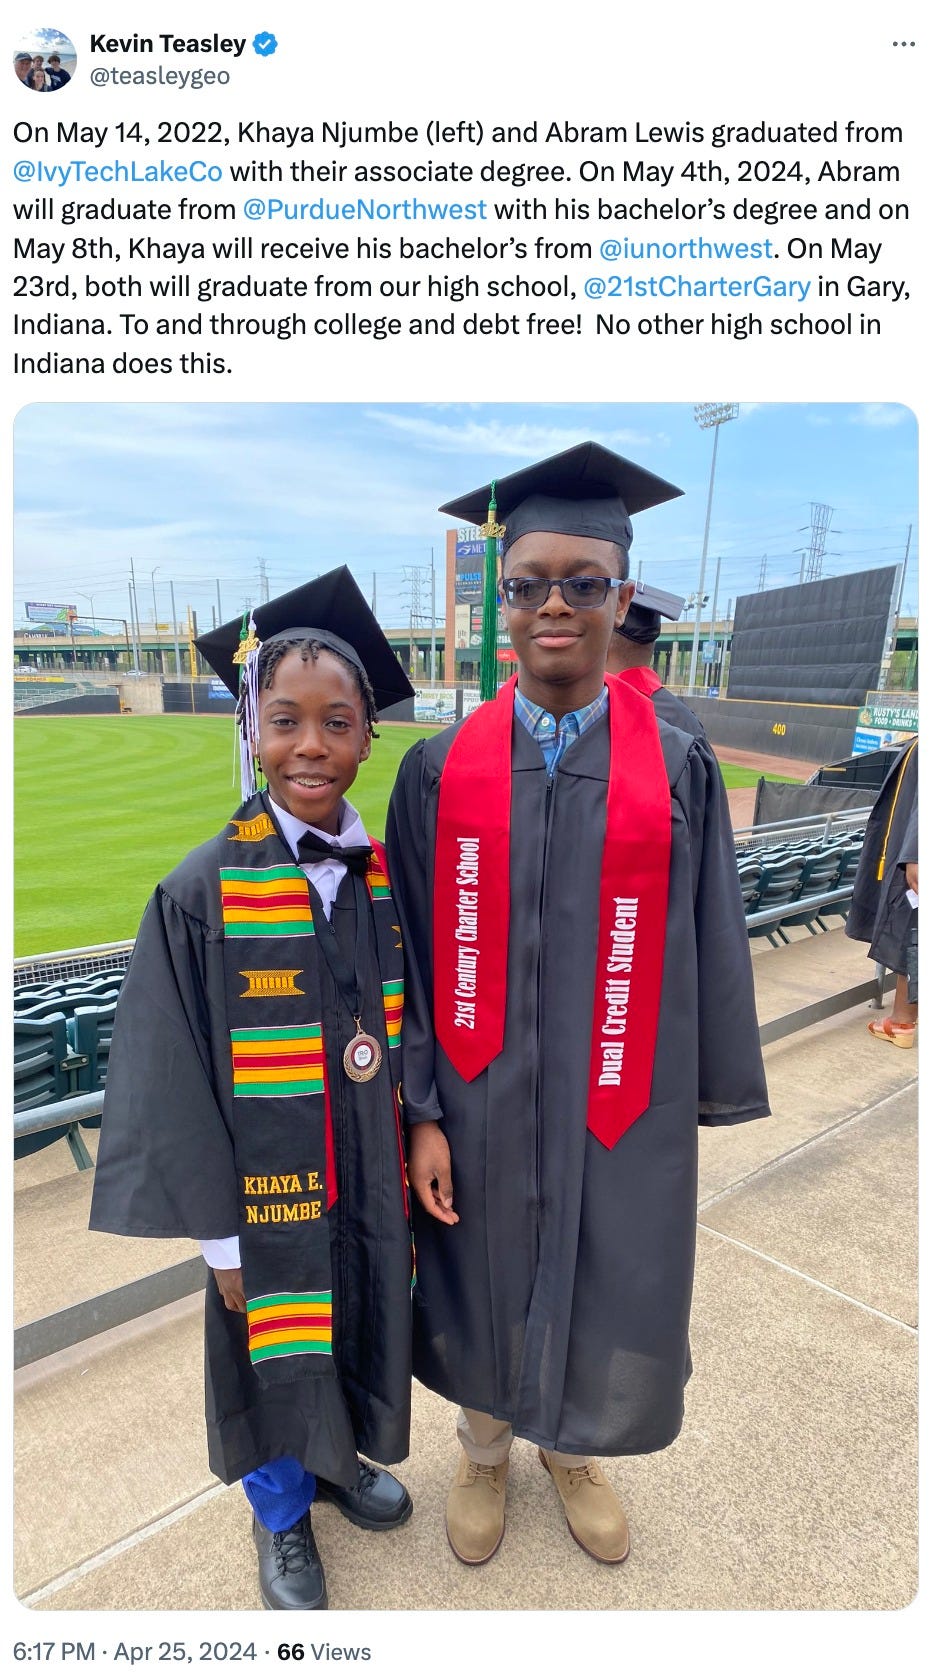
272, 654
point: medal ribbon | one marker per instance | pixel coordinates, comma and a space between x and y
471, 904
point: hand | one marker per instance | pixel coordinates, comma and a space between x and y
429, 1172
911, 875
231, 1288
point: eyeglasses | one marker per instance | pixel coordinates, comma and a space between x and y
580, 592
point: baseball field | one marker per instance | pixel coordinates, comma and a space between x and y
106, 805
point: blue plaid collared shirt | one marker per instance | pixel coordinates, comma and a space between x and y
555, 736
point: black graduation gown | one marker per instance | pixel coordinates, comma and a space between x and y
880, 912
678, 713
560, 1302
166, 1169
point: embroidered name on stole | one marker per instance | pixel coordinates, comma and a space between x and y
283, 1130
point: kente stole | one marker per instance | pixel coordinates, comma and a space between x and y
283, 1139
471, 904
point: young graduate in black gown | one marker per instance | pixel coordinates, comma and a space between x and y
251, 1094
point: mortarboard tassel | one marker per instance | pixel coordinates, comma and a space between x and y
248, 718
493, 532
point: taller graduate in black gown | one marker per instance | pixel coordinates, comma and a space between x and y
577, 907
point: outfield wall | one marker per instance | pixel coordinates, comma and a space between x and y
803, 731
105, 702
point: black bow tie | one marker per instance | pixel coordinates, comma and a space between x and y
312, 850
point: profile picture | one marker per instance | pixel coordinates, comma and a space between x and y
44, 61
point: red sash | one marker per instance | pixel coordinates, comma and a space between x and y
471, 904
641, 680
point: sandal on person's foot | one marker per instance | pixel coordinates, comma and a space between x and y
900, 1034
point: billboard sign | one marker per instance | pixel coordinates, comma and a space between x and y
881, 724
470, 556
435, 703
50, 613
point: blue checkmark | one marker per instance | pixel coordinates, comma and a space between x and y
265, 44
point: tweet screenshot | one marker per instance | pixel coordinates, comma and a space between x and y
464, 500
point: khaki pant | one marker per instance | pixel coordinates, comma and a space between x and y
488, 1440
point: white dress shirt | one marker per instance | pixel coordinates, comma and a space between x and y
325, 877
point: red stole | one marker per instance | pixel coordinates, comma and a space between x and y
641, 680
471, 904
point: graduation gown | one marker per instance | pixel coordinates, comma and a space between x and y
166, 1169
668, 706
677, 712
560, 1302
880, 912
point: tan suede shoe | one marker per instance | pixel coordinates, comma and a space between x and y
594, 1516
475, 1510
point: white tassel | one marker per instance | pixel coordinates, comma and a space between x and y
249, 721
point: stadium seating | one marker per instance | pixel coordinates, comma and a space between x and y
848, 871
41, 1074
779, 882
819, 875
92, 1028
62, 1040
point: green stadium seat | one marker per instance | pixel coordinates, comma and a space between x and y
820, 874
40, 1074
850, 860
91, 1029
779, 882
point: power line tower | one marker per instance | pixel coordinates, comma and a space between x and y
814, 556
416, 582
762, 570
264, 582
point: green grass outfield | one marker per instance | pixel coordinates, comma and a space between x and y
107, 804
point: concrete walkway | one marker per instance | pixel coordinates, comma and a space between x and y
792, 1486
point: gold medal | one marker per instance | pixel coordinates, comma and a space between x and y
361, 1059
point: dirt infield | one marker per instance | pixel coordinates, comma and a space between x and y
742, 802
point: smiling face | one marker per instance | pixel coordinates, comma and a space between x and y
313, 735
562, 650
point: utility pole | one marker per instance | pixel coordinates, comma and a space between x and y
432, 620
136, 616
724, 646
264, 583
218, 597
172, 606
892, 635
156, 626
713, 622
905, 565
133, 628
709, 415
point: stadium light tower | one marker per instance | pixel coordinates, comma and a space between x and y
709, 415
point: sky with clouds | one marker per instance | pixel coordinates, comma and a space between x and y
196, 494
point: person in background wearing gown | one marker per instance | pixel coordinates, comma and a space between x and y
251, 1101
884, 905
632, 651
579, 998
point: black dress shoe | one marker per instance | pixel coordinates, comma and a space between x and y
379, 1501
290, 1572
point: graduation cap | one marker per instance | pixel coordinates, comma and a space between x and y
333, 611
643, 617
585, 491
